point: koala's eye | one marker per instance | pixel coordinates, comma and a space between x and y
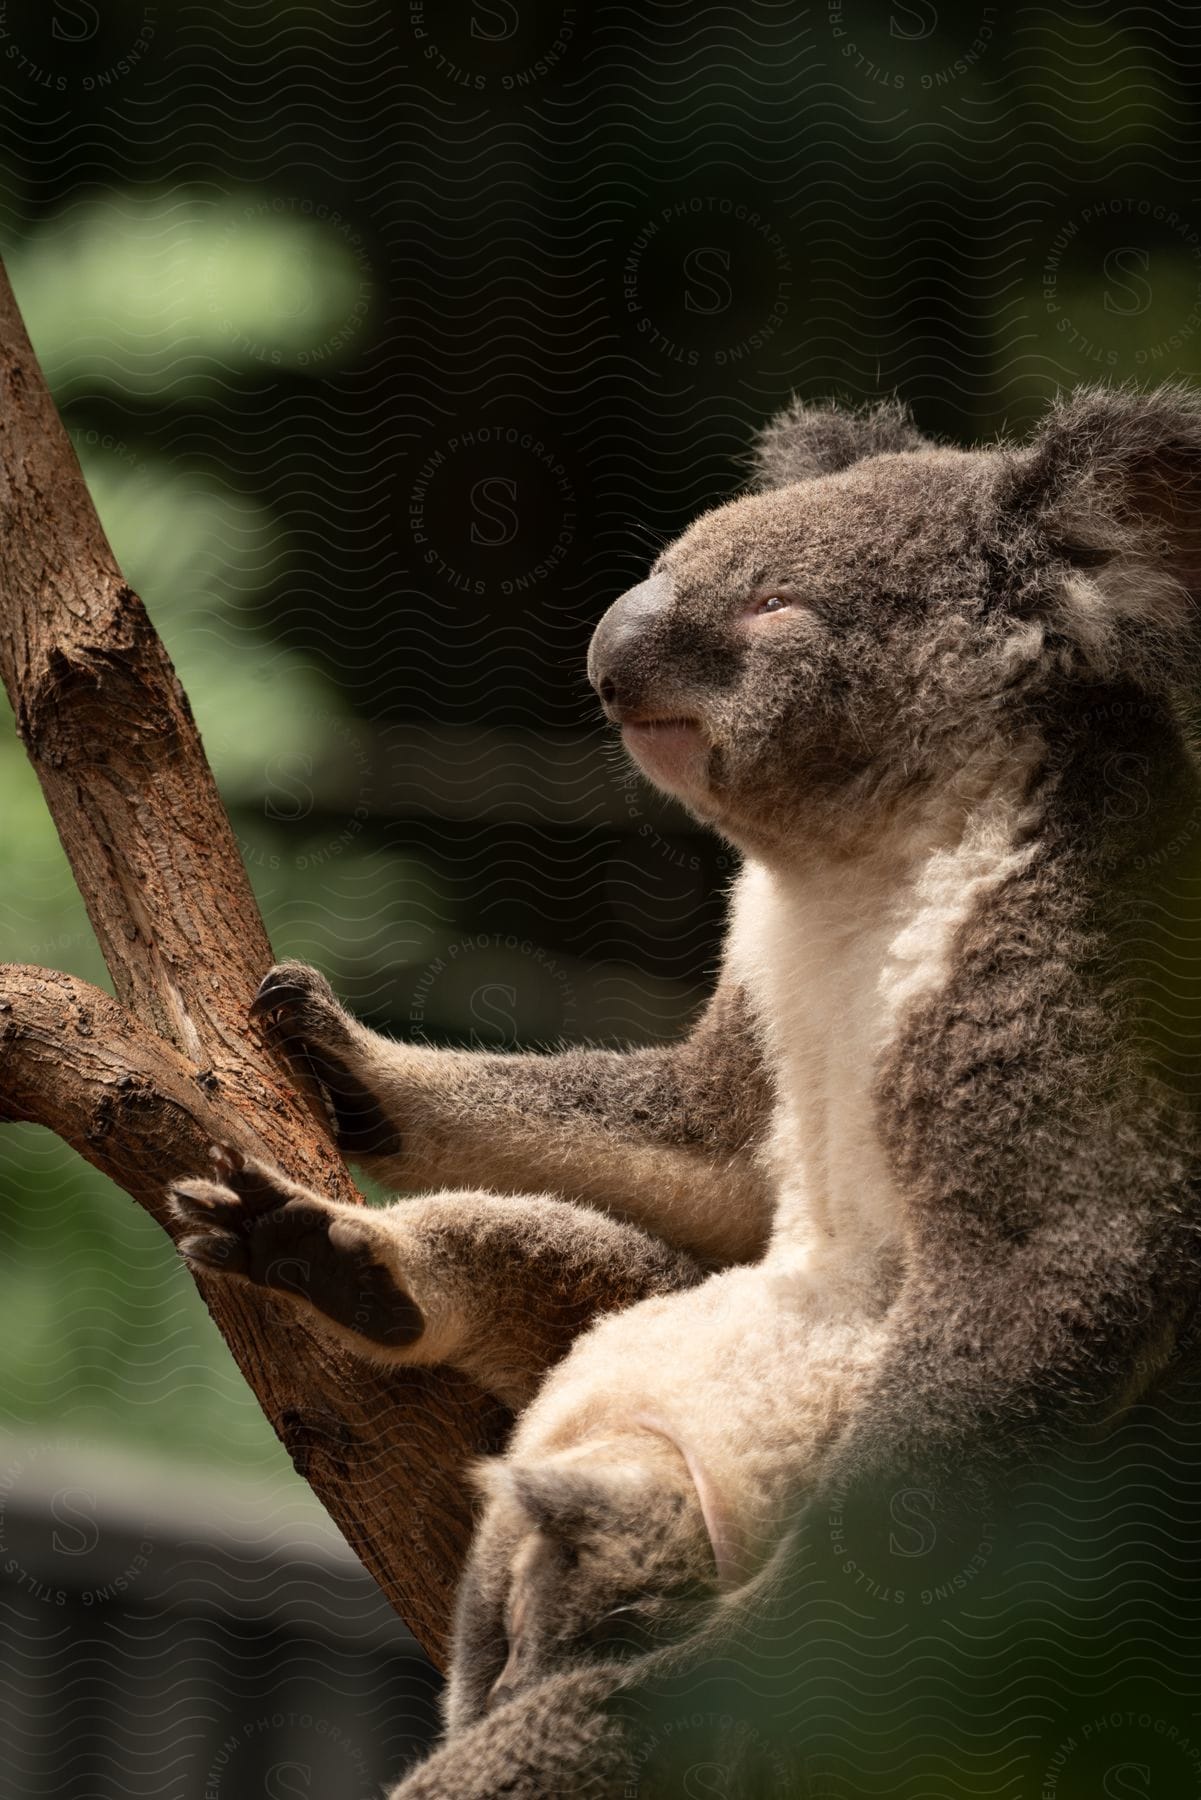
639, 1625
771, 600
626, 1631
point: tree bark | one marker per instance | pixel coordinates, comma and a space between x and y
141, 1085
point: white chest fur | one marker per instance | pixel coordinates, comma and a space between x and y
833, 956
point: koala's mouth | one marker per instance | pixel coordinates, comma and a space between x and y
658, 725
672, 751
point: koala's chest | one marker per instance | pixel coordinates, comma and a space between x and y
815, 972
833, 963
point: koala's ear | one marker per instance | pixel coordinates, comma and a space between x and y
725, 1540
807, 440
1111, 486
566, 1502
552, 1498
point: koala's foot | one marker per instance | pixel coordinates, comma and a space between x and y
250, 1220
304, 1022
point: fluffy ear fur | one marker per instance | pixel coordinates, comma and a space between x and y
1111, 487
566, 1502
562, 1499
807, 440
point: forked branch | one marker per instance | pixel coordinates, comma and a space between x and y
142, 1085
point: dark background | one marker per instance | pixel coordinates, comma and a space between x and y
394, 340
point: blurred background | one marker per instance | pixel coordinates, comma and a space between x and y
393, 341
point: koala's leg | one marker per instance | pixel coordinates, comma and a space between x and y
555, 1742
665, 1137
496, 1286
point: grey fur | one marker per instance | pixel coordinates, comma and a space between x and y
603, 1560
892, 647
805, 440
665, 1138
496, 1285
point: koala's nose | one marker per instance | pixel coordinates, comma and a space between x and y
617, 655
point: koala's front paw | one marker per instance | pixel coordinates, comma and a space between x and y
296, 1007
302, 1019
250, 1220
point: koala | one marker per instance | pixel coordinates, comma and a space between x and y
918, 1192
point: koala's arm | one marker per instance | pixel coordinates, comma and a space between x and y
999, 1347
648, 1727
665, 1137
498, 1286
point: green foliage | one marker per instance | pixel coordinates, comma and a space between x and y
175, 292
103, 1332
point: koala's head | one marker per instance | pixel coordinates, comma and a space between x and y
599, 1553
885, 609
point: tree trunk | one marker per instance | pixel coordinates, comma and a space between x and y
143, 1084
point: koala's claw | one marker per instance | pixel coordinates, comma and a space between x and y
240, 1191
252, 1221
290, 987
226, 1159
304, 1022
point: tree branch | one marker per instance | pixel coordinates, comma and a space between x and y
141, 1085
